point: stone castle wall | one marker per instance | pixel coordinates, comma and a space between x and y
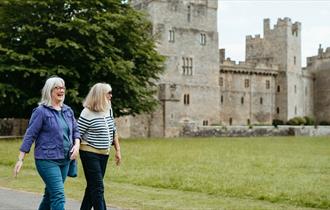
246, 131
320, 66
246, 93
281, 45
188, 90
216, 86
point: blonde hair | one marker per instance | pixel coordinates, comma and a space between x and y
96, 100
46, 93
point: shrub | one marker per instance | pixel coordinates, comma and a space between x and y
309, 120
277, 122
324, 123
297, 121
292, 121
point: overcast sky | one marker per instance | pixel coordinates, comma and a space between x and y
238, 18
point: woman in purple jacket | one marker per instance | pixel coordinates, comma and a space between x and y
53, 129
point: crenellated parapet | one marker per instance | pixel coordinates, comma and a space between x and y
282, 24
322, 54
226, 65
230, 66
286, 22
325, 53
256, 38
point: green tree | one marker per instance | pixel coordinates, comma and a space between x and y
83, 42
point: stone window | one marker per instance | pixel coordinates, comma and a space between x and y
186, 99
242, 100
295, 88
230, 121
306, 91
248, 121
294, 60
267, 84
203, 39
261, 100
278, 88
295, 32
221, 99
187, 66
171, 36
278, 110
295, 110
246, 83
189, 14
205, 122
221, 81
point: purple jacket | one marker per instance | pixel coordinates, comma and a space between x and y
44, 129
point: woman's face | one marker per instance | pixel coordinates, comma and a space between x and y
58, 93
109, 95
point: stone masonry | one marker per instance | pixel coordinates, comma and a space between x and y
203, 88
189, 89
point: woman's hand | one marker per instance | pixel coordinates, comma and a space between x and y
118, 157
75, 150
19, 163
18, 167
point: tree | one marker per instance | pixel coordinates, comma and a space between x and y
83, 42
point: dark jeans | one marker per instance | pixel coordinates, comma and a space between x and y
94, 168
53, 173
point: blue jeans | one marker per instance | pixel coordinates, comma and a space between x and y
53, 173
94, 168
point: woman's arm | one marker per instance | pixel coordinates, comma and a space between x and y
32, 132
19, 163
117, 148
76, 138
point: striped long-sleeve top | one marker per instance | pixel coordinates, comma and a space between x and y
97, 129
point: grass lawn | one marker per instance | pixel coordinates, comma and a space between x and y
202, 173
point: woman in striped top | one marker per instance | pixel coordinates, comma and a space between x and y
98, 131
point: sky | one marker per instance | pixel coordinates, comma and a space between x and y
239, 18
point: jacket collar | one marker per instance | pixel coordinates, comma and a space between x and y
64, 107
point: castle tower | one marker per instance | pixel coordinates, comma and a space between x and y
320, 66
188, 89
281, 46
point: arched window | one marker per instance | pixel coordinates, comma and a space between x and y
186, 99
189, 14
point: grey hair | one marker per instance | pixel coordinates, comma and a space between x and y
46, 93
96, 98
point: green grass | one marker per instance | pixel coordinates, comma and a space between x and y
202, 173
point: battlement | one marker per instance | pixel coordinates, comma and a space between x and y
256, 38
224, 60
228, 65
249, 68
282, 23
322, 54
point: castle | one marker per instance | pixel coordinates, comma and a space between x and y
201, 86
